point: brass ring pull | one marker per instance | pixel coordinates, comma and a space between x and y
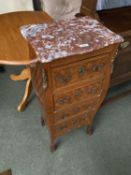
125, 44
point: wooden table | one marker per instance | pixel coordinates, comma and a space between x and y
14, 49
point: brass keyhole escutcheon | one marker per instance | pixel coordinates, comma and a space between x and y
82, 70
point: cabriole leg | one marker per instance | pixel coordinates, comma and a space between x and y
53, 146
90, 129
42, 121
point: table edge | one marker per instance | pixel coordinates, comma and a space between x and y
18, 63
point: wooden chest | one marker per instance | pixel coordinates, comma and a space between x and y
119, 21
72, 74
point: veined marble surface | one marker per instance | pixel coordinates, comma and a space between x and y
68, 37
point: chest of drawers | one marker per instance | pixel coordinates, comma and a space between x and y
71, 84
119, 21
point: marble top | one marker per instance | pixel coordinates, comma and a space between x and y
68, 37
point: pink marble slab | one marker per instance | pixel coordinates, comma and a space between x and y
68, 37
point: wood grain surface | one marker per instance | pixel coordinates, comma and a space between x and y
14, 48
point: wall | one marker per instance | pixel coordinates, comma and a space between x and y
62, 9
15, 5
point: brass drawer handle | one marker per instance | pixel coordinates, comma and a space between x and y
93, 90
125, 44
98, 67
63, 78
63, 100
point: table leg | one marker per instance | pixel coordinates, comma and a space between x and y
90, 129
24, 75
24, 101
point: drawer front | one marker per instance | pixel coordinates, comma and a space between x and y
77, 122
77, 95
75, 110
83, 70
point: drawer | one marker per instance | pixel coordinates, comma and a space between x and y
77, 95
83, 70
75, 110
76, 122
